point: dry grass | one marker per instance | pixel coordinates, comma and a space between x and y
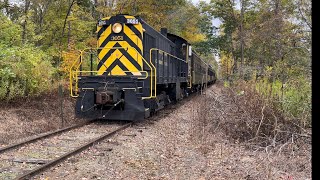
261, 122
280, 147
245, 117
25, 117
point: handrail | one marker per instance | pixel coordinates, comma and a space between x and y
189, 66
145, 77
159, 50
156, 49
74, 65
71, 75
190, 86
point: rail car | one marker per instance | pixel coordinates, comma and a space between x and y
134, 71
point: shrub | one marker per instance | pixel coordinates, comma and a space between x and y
24, 71
292, 98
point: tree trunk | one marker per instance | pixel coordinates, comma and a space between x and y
234, 67
278, 28
241, 36
69, 35
24, 24
95, 14
69, 30
6, 6
65, 22
227, 69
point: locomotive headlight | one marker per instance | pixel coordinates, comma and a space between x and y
117, 27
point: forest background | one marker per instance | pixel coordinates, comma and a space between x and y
262, 44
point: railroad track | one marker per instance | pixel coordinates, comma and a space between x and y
28, 158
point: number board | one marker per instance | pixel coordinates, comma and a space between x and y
117, 38
102, 22
132, 21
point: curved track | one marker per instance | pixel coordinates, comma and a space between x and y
41, 136
28, 158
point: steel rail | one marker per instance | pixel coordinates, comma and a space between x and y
28, 175
44, 135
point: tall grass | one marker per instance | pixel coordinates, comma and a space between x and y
292, 98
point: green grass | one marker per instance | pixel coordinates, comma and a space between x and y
293, 98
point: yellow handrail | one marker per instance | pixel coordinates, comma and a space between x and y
145, 77
74, 74
71, 75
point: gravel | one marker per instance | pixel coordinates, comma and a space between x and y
174, 145
183, 141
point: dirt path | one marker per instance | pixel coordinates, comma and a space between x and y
186, 143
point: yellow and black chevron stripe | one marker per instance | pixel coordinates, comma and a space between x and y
117, 57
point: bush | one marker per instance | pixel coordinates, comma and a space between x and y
259, 119
24, 71
292, 98
297, 100
10, 32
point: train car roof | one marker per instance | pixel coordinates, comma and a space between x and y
178, 37
144, 22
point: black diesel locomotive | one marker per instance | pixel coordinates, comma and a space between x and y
134, 71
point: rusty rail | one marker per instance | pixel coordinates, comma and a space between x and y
41, 136
28, 175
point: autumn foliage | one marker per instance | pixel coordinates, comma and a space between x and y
257, 41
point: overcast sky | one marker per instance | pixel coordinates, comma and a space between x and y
215, 22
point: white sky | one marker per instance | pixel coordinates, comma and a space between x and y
215, 22
196, 1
